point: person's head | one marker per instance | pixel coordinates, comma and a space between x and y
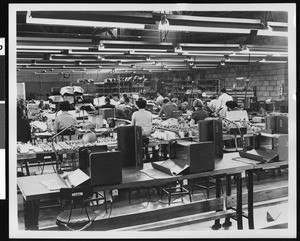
79, 99
124, 95
126, 100
64, 106
223, 90
231, 104
107, 100
197, 104
166, 100
141, 103
89, 137
69, 97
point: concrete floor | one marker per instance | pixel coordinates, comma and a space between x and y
140, 202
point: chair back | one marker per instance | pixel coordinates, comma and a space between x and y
75, 219
76, 194
68, 133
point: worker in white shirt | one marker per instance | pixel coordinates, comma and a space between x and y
223, 98
213, 104
159, 99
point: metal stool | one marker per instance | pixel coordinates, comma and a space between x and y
179, 189
209, 184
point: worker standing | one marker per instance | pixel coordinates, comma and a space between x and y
223, 98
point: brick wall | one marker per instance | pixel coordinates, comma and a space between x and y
266, 77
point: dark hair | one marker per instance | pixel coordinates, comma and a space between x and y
107, 99
126, 99
141, 103
64, 106
231, 104
19, 112
166, 100
124, 95
223, 90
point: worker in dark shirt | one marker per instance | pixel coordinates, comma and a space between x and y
107, 104
167, 108
23, 127
199, 113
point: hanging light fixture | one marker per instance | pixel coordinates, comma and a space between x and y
178, 48
164, 22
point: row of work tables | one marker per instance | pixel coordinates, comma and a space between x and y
231, 164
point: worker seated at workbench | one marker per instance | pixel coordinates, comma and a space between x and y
144, 119
199, 113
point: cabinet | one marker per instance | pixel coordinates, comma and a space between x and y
276, 142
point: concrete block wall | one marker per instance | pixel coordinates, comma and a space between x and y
265, 76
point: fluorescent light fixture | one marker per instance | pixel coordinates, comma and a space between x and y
205, 67
245, 49
133, 49
151, 53
48, 47
69, 22
213, 19
183, 28
120, 52
270, 32
38, 51
178, 49
34, 58
221, 51
202, 54
267, 53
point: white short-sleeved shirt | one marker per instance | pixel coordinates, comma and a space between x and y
222, 100
143, 118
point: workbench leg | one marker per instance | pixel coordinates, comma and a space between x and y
27, 168
164, 150
31, 214
227, 222
217, 224
239, 201
250, 199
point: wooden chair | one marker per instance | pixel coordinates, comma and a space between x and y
74, 218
